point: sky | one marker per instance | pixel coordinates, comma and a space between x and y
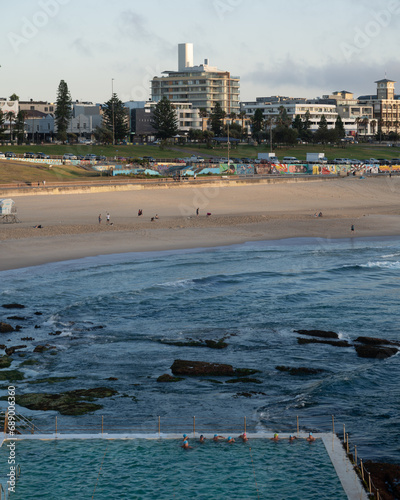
305, 48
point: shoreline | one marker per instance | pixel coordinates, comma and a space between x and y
248, 213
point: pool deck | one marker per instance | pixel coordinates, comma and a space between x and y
344, 469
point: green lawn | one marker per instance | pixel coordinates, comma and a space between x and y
358, 151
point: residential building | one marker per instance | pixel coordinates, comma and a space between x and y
39, 127
386, 107
42, 106
203, 86
293, 107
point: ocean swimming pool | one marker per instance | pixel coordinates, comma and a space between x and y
160, 468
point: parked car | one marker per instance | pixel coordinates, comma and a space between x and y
342, 161
29, 155
101, 158
90, 157
383, 161
246, 160
42, 155
354, 161
2, 155
395, 161
69, 156
290, 159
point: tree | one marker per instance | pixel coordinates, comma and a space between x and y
14, 97
242, 116
373, 126
165, 121
63, 111
216, 118
20, 126
257, 123
10, 116
116, 118
1, 125
283, 118
321, 135
204, 118
339, 128
103, 135
298, 125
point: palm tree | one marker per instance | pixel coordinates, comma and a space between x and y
373, 126
10, 117
269, 121
242, 116
204, 118
364, 123
358, 122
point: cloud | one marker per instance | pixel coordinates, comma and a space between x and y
299, 76
82, 47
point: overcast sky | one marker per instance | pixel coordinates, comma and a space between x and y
298, 48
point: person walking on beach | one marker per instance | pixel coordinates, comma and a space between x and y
108, 218
99, 218
197, 211
352, 228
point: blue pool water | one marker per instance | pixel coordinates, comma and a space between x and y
115, 314
140, 469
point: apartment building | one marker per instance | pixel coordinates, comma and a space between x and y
203, 86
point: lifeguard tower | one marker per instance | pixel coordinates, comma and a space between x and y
8, 211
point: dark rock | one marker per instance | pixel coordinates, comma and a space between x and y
10, 350
111, 378
51, 380
13, 306
340, 343
2, 346
38, 313
37, 327
212, 344
376, 341
169, 378
376, 352
242, 372
11, 375
301, 370
55, 333
29, 362
219, 344
249, 394
27, 338
386, 478
201, 368
244, 379
17, 318
43, 348
6, 328
67, 403
5, 361
319, 333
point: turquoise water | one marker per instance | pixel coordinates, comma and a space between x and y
143, 469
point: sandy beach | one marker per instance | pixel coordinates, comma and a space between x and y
239, 213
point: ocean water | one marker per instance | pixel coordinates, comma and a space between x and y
116, 315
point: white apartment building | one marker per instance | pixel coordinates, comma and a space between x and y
293, 108
203, 86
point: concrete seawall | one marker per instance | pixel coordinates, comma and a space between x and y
7, 192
